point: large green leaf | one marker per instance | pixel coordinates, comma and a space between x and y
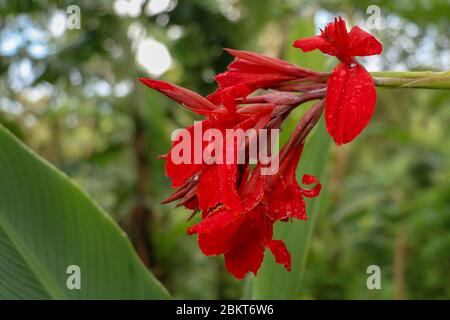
273, 282
48, 224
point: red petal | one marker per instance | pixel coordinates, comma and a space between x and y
285, 176
220, 241
314, 192
362, 43
247, 256
230, 94
180, 172
227, 96
287, 204
207, 192
309, 44
244, 258
336, 36
247, 67
215, 221
187, 98
227, 180
269, 62
333, 40
253, 194
350, 102
255, 71
191, 204
280, 252
217, 184
251, 80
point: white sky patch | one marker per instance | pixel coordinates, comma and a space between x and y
29, 120
57, 24
38, 50
123, 88
155, 7
12, 107
102, 88
20, 74
121, 7
229, 10
9, 44
154, 57
131, 8
372, 63
175, 32
39, 92
321, 19
136, 31
98, 88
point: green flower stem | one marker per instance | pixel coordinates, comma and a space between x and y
416, 79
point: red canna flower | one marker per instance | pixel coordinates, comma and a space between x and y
239, 205
239, 213
351, 94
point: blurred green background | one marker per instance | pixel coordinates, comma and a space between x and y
72, 96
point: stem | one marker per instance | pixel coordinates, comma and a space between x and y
415, 79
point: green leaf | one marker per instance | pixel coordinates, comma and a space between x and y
48, 224
273, 281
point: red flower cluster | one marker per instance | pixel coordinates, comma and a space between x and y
240, 204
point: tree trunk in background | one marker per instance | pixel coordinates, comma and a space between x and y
400, 265
141, 214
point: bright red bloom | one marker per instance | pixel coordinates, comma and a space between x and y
351, 94
239, 205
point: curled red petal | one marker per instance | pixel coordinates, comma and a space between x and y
361, 43
315, 191
350, 102
281, 253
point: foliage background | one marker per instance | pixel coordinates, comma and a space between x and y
72, 96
